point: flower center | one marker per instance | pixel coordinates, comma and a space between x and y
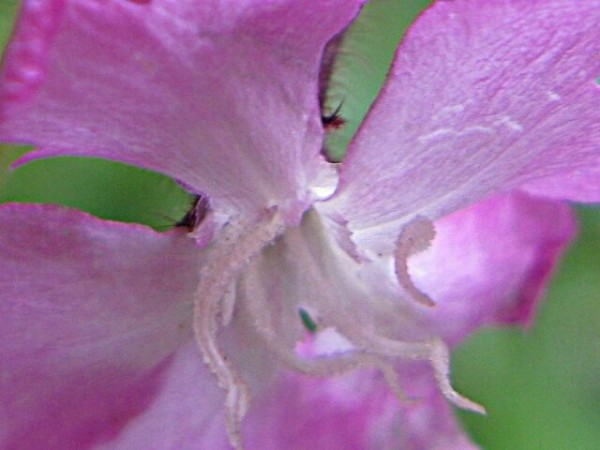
305, 271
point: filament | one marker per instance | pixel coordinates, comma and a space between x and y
234, 247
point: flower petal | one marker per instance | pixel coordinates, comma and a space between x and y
483, 97
221, 95
90, 312
189, 410
356, 411
186, 412
490, 263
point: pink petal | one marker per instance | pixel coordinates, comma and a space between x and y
220, 95
356, 411
581, 186
490, 263
91, 312
484, 96
186, 413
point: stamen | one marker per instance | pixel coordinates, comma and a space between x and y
440, 360
234, 247
338, 364
393, 382
228, 304
322, 365
274, 316
435, 351
371, 343
415, 237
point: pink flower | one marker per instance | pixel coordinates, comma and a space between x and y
490, 106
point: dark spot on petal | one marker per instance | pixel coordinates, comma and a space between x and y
195, 214
333, 121
307, 320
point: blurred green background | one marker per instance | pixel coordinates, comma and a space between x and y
541, 386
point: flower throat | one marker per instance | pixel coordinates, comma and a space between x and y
230, 281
